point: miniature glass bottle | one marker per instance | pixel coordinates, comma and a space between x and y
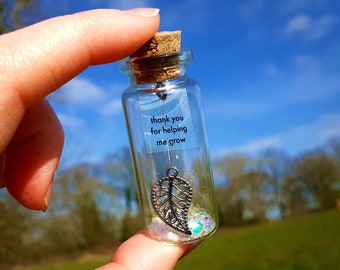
165, 123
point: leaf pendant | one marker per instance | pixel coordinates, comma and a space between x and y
171, 197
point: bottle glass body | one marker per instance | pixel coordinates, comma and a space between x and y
168, 143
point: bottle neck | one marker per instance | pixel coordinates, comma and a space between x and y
157, 69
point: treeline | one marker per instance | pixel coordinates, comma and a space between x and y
276, 186
91, 205
95, 204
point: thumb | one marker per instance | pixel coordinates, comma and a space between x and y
140, 252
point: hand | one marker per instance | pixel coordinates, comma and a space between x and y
34, 62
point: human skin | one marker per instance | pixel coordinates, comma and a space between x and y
36, 61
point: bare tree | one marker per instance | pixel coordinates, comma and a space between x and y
229, 200
319, 174
255, 194
119, 166
276, 164
296, 203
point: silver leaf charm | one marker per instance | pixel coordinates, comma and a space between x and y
171, 197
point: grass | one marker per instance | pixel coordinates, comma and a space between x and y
90, 259
310, 242
80, 263
93, 264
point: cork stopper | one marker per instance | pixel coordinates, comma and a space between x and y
158, 59
162, 42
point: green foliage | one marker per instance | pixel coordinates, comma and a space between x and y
13, 225
81, 192
73, 221
310, 242
130, 224
93, 230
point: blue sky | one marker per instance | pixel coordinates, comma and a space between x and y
269, 73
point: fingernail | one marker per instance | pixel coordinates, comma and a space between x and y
144, 12
2, 168
47, 197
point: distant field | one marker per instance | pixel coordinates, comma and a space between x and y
311, 242
81, 263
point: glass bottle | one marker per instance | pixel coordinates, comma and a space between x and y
165, 123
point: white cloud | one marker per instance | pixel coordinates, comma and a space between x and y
300, 23
323, 128
309, 79
237, 109
313, 80
311, 135
80, 91
253, 147
310, 29
112, 108
295, 140
69, 121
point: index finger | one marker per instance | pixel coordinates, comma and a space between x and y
38, 59
44, 56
